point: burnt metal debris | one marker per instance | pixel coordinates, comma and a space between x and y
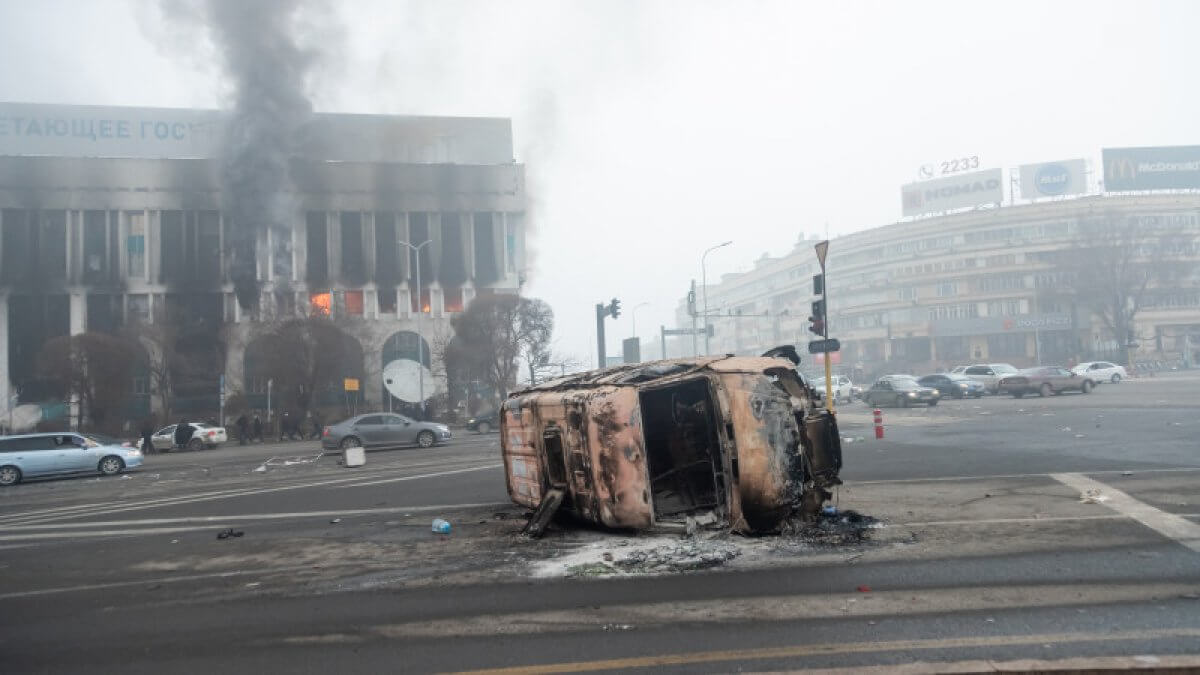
724, 442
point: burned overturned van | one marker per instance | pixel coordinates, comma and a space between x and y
727, 441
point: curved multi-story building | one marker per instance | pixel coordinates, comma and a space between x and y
988, 284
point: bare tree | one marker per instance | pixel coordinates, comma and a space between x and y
163, 360
1117, 262
495, 332
307, 356
94, 368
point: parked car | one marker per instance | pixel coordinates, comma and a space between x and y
484, 423
375, 430
1101, 371
1045, 380
989, 374
843, 388
956, 386
204, 435
900, 391
48, 454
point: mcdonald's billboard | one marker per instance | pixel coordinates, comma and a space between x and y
1175, 167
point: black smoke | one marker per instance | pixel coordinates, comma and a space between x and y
261, 46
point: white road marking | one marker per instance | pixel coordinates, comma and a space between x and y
95, 506
429, 475
150, 582
208, 520
189, 499
936, 479
1169, 525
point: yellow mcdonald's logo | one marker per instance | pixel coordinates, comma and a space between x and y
1122, 167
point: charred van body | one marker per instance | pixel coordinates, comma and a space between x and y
728, 441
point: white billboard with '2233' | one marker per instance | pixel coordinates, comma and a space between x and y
1053, 179
961, 191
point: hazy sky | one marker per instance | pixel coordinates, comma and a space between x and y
653, 130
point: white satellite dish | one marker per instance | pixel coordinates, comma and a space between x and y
402, 379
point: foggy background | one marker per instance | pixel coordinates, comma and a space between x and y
653, 130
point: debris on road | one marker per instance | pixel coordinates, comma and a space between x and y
650, 445
863, 589
288, 461
840, 529
440, 526
335, 521
229, 532
617, 626
1093, 496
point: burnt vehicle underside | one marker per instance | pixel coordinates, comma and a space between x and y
729, 442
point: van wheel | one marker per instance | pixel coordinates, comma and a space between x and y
1116, 379
9, 475
195, 445
111, 465
1045, 391
425, 439
1086, 387
350, 442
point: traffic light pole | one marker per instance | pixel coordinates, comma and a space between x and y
601, 312
828, 367
612, 309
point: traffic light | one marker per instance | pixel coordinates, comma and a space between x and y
615, 308
817, 319
818, 284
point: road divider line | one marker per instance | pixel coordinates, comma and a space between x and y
936, 479
428, 475
247, 489
798, 651
189, 499
209, 520
1169, 525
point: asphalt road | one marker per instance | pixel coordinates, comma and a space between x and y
1042, 529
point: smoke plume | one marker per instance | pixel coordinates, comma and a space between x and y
267, 65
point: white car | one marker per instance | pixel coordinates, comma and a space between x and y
1100, 371
989, 374
204, 436
843, 388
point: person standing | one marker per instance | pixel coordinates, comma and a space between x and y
316, 425
243, 426
183, 434
258, 428
148, 438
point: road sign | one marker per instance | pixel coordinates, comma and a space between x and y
822, 247
823, 346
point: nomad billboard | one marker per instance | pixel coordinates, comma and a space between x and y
1053, 179
1175, 167
953, 192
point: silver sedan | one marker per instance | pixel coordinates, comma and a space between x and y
375, 430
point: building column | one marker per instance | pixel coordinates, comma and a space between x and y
5, 382
78, 312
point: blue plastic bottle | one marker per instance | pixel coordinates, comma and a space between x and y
441, 526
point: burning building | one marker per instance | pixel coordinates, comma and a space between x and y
110, 216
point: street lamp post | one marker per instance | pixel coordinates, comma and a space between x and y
420, 340
633, 314
704, 289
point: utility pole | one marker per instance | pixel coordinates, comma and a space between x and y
822, 248
612, 309
692, 311
662, 333
704, 287
420, 340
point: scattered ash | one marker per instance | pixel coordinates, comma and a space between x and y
686, 556
843, 528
